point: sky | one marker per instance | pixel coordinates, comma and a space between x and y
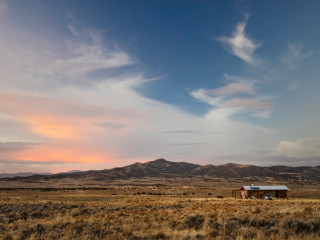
101, 84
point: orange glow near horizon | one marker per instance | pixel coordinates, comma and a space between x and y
62, 141
62, 160
51, 127
36, 112
48, 154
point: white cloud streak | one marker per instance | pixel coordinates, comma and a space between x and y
240, 45
236, 97
233, 88
294, 55
89, 56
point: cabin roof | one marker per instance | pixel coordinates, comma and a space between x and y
283, 187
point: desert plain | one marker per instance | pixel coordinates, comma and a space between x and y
156, 212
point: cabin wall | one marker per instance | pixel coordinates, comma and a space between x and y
241, 194
262, 193
236, 194
259, 194
282, 194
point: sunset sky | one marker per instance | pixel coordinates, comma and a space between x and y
101, 84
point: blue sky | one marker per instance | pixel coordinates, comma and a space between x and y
98, 84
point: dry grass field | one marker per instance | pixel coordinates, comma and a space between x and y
152, 213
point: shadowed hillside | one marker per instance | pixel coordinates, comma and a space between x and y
242, 171
166, 170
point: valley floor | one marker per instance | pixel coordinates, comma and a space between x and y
144, 213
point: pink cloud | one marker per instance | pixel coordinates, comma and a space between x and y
233, 88
247, 102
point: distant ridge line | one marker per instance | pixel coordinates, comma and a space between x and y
162, 168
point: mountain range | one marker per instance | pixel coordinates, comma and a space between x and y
28, 174
21, 174
162, 168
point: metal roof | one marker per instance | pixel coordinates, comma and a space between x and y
283, 187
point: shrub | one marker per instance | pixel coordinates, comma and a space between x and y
230, 227
40, 228
26, 233
214, 233
174, 224
302, 227
195, 222
298, 226
2, 229
271, 231
160, 235
258, 223
316, 226
8, 237
199, 236
214, 224
24, 215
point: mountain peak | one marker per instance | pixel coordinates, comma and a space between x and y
159, 160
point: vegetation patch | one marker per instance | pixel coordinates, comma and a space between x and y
100, 214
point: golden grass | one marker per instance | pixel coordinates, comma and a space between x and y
108, 214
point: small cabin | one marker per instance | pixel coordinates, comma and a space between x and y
259, 192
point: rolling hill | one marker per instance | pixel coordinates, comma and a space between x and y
163, 169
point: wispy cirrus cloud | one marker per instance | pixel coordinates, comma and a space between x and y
254, 104
233, 89
294, 54
186, 131
16, 146
87, 54
239, 44
238, 96
111, 125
